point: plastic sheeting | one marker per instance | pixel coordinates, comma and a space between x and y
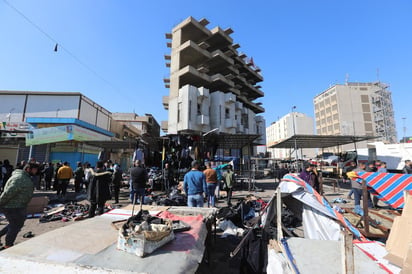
317, 226
305, 193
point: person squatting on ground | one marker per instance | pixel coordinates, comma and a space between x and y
138, 178
64, 174
116, 182
211, 181
14, 200
194, 184
99, 189
229, 180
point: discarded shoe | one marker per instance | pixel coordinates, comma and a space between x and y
358, 210
339, 200
28, 235
4, 247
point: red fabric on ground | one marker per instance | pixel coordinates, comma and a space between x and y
184, 241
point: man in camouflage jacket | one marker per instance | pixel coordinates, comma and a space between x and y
14, 200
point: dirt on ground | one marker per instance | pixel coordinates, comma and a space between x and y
217, 256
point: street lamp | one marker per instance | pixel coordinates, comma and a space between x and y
294, 132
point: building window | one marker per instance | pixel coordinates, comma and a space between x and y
179, 112
199, 112
220, 115
227, 116
364, 98
190, 109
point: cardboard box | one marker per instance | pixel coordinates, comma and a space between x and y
37, 205
400, 238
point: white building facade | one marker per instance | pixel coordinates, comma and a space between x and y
291, 124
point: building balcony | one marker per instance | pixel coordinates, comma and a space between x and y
230, 98
192, 54
164, 125
203, 119
165, 101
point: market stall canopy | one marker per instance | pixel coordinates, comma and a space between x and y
320, 141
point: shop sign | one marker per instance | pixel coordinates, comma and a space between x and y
14, 126
61, 134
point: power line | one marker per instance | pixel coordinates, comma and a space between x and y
58, 45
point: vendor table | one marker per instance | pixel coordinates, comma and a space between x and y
89, 246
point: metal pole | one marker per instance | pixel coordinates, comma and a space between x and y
294, 135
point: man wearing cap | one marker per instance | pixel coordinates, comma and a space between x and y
14, 200
194, 184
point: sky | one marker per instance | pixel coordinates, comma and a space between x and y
113, 51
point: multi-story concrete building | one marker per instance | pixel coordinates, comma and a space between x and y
291, 124
356, 109
211, 84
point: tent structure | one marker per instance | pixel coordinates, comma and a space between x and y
326, 246
319, 141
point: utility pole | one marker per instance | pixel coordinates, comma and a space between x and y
294, 133
404, 129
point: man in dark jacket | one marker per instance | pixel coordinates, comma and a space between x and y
99, 189
78, 177
116, 182
138, 177
48, 174
14, 200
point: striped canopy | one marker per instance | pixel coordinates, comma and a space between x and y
388, 187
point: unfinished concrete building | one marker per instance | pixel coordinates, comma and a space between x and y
212, 85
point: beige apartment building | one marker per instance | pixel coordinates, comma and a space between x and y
356, 109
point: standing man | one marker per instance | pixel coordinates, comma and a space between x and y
14, 200
228, 177
357, 189
64, 174
78, 177
407, 168
99, 189
167, 177
116, 182
306, 174
138, 177
211, 182
194, 184
48, 173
